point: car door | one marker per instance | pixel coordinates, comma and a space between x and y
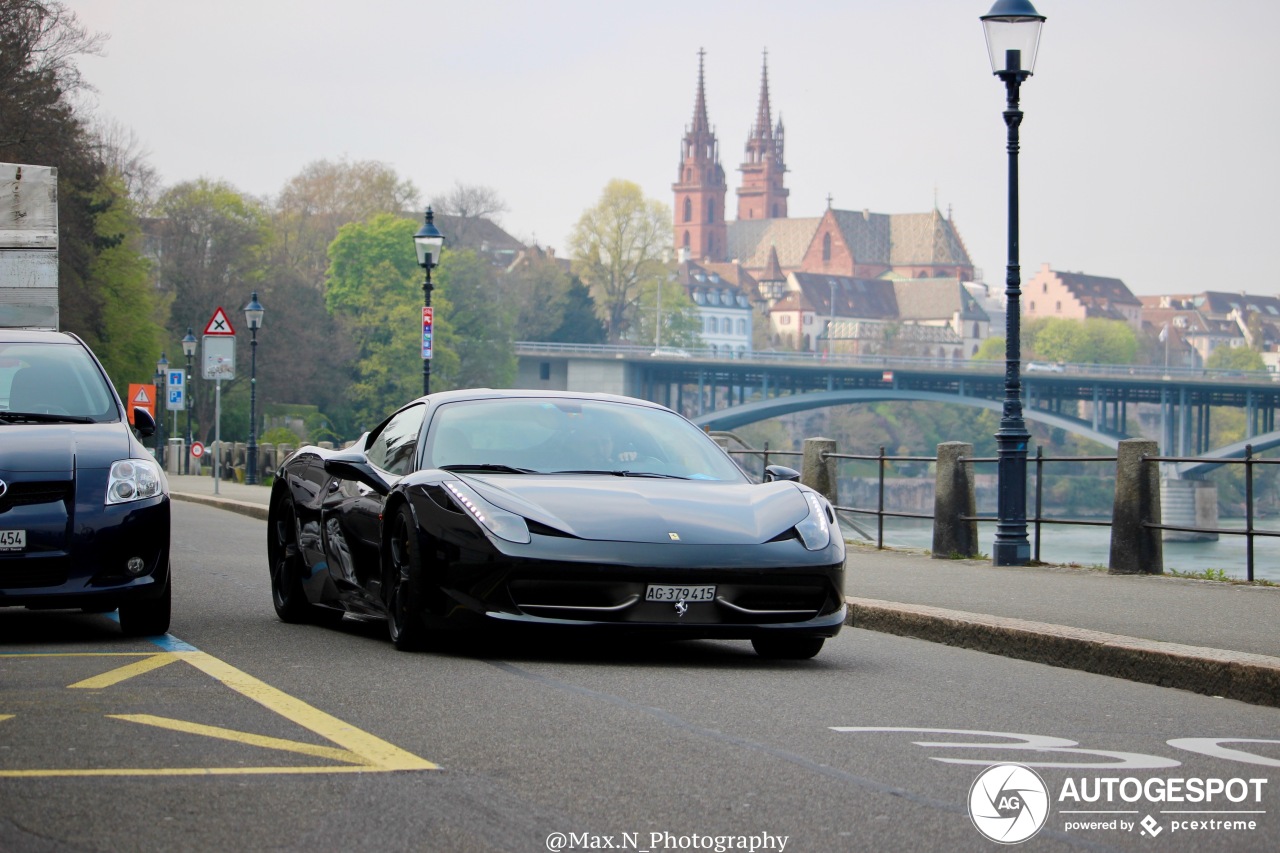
353, 512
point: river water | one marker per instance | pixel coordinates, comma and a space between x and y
1089, 546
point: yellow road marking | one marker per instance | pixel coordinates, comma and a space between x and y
243, 737
127, 671
363, 752
375, 750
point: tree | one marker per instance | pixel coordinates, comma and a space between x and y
210, 243
618, 247
125, 157
468, 204
579, 324
322, 198
475, 332
992, 349
1235, 358
538, 288
681, 322
1094, 340
373, 289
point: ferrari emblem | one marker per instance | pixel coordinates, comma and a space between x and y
681, 608
675, 537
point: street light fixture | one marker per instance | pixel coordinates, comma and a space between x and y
1013, 37
189, 350
428, 243
162, 376
253, 317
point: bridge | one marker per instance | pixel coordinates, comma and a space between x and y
724, 393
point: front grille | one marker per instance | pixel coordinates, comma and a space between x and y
31, 572
30, 494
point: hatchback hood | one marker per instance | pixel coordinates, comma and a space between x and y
641, 509
56, 450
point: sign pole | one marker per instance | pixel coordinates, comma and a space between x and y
217, 433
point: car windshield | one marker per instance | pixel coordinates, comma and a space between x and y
565, 435
53, 381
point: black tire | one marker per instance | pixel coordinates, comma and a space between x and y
150, 617
406, 612
285, 561
784, 647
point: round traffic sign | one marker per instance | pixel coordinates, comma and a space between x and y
197, 449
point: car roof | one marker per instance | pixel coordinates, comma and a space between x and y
524, 393
23, 336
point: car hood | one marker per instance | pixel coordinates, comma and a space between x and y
640, 509
56, 450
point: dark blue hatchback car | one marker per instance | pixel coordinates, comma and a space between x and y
84, 508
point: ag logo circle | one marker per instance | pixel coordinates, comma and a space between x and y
1008, 803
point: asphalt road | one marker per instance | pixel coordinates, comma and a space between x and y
239, 732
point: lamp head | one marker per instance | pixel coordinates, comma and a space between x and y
253, 312
189, 344
1013, 36
428, 242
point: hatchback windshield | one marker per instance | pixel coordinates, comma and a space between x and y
568, 435
53, 379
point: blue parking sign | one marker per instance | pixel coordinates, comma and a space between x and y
177, 400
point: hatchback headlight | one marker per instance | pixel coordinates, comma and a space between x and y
501, 523
815, 529
133, 480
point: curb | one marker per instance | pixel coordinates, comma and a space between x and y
1233, 675
252, 510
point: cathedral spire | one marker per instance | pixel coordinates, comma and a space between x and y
764, 124
700, 121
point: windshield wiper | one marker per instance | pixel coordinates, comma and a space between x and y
42, 418
622, 473
485, 466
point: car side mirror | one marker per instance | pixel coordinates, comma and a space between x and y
352, 468
774, 473
143, 423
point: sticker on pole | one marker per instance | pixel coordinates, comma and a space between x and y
427, 319
197, 449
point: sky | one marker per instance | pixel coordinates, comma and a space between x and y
1148, 147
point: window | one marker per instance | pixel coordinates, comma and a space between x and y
711, 210
1057, 306
826, 247
688, 209
686, 239
742, 327
395, 446
544, 370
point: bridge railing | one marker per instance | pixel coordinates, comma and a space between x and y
1030, 368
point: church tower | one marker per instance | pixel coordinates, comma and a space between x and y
700, 190
762, 195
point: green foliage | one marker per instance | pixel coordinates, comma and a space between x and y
1235, 358
475, 336
1092, 341
579, 323
280, 435
618, 247
992, 349
681, 322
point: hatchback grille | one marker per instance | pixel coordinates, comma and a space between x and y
28, 494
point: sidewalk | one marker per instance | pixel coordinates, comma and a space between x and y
1211, 637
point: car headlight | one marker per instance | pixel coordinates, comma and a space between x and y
133, 480
815, 529
501, 523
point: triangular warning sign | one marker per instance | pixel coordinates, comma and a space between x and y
219, 324
142, 397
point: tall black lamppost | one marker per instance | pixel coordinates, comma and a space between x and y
1013, 35
428, 242
189, 350
162, 387
253, 317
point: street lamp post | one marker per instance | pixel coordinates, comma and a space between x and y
1013, 36
162, 383
253, 317
189, 350
428, 243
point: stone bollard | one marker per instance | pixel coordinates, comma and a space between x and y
954, 498
816, 472
1136, 549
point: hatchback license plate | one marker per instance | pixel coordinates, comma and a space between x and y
13, 540
673, 592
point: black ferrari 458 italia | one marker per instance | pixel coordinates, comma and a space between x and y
556, 509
